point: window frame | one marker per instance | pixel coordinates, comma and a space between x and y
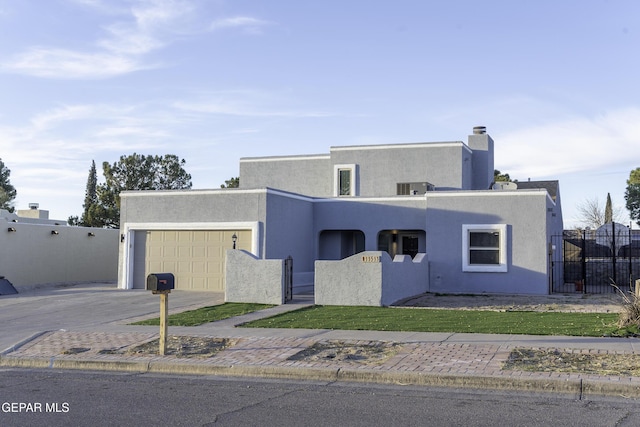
501, 266
337, 169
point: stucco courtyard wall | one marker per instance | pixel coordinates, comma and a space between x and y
253, 280
39, 254
370, 278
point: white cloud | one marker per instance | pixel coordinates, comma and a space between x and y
245, 103
128, 41
232, 109
572, 145
53, 117
67, 64
153, 25
248, 24
147, 26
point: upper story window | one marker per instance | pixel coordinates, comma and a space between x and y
484, 248
344, 180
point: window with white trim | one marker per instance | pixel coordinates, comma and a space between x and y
344, 180
484, 248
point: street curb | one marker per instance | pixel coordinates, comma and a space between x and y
53, 363
16, 346
580, 388
464, 381
607, 388
247, 371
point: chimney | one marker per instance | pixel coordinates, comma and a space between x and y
481, 146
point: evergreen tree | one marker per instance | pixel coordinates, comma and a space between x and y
136, 172
90, 199
7, 191
608, 210
500, 177
234, 182
632, 195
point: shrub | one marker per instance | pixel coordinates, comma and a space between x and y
630, 310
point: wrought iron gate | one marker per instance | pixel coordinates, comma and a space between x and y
594, 260
288, 279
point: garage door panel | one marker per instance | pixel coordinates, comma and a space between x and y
195, 257
184, 267
199, 252
154, 267
169, 236
155, 252
184, 251
198, 267
199, 283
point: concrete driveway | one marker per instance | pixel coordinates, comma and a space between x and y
85, 307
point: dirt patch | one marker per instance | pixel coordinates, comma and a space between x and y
553, 360
580, 303
369, 352
76, 350
179, 346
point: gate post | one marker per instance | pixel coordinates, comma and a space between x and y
583, 260
630, 259
613, 250
288, 279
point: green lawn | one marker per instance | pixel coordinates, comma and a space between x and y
207, 314
429, 320
410, 319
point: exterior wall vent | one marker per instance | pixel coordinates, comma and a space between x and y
414, 188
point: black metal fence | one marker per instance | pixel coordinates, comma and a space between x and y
288, 279
594, 260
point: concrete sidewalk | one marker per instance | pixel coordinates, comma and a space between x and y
436, 359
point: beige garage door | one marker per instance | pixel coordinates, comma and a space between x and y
195, 257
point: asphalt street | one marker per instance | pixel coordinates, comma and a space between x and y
72, 398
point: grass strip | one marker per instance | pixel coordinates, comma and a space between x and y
429, 320
207, 314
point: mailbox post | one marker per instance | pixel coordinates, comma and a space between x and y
162, 284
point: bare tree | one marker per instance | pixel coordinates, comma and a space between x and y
593, 214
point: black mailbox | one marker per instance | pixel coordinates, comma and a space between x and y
160, 282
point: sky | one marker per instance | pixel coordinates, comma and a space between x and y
556, 83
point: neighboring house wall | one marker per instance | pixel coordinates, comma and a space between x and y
370, 278
528, 224
32, 255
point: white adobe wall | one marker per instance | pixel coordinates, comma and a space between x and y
32, 255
